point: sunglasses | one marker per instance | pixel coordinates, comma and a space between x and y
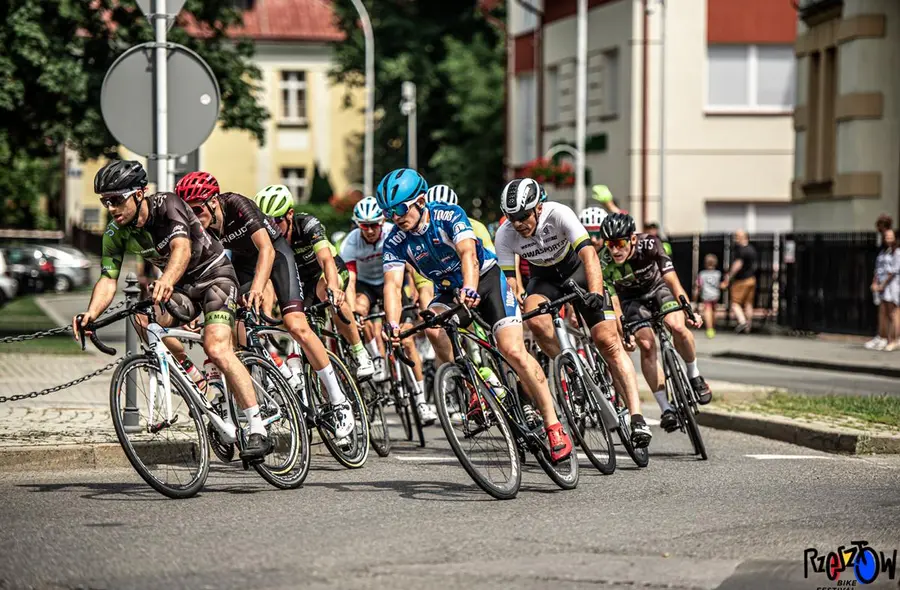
369, 226
116, 199
520, 216
399, 210
198, 210
618, 243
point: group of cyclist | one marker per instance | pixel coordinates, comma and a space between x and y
411, 243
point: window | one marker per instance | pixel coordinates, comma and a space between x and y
819, 157
295, 180
750, 78
551, 116
524, 129
91, 216
293, 98
611, 82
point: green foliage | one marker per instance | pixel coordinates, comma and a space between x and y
21, 182
456, 59
321, 189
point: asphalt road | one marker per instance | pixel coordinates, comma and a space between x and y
415, 520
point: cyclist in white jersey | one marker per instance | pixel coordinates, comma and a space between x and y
551, 238
362, 252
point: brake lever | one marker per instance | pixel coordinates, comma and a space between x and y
81, 334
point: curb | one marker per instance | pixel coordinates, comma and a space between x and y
822, 438
809, 364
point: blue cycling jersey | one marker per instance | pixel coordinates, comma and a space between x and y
432, 250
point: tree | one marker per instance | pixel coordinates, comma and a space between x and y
432, 44
320, 190
56, 54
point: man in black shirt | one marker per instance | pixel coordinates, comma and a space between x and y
742, 278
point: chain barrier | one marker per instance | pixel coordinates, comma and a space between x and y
52, 331
54, 389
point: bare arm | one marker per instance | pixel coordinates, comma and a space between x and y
468, 255
393, 284
592, 269
329, 268
674, 285
102, 295
179, 259
736, 267
264, 261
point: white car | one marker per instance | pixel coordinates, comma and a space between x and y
72, 266
9, 286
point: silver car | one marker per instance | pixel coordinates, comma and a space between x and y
73, 268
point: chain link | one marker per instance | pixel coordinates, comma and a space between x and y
54, 389
52, 331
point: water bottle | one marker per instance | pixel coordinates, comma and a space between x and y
491, 379
214, 386
194, 373
294, 367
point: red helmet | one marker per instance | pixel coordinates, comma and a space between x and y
197, 186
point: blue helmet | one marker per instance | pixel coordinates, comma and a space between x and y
400, 186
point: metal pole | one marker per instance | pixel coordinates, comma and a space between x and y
662, 116
160, 74
581, 103
131, 416
370, 95
409, 109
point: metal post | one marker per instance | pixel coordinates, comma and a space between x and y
581, 104
408, 107
132, 414
160, 73
662, 116
370, 95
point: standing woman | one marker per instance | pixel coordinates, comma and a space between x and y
886, 288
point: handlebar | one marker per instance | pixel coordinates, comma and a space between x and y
630, 328
329, 302
380, 314
139, 307
552, 306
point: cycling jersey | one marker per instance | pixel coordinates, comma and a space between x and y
482, 233
641, 273
169, 218
552, 251
242, 219
432, 249
363, 258
307, 238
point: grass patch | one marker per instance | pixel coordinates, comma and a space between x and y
23, 316
875, 409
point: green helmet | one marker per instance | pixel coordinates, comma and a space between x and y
275, 200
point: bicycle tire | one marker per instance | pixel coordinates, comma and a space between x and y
285, 470
354, 455
379, 433
446, 377
199, 449
566, 479
409, 378
606, 465
679, 388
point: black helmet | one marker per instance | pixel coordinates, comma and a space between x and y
120, 175
617, 225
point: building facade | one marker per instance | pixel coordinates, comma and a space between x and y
847, 121
308, 127
726, 104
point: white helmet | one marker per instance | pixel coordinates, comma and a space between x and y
368, 211
521, 194
442, 194
592, 217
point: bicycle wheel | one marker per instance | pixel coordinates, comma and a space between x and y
578, 398
564, 473
483, 443
172, 457
410, 382
402, 403
379, 434
287, 466
680, 389
353, 450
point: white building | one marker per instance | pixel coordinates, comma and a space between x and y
729, 95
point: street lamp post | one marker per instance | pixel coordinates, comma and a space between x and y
370, 94
408, 108
662, 115
581, 98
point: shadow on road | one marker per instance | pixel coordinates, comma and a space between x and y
432, 491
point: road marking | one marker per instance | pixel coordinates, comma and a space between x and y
769, 457
423, 459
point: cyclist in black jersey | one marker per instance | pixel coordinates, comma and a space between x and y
643, 277
319, 266
196, 274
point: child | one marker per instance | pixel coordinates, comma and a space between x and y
707, 287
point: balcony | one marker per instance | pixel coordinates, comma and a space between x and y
815, 11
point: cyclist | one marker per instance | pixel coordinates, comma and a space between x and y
162, 229
260, 253
437, 239
644, 280
318, 265
551, 238
444, 194
362, 253
591, 218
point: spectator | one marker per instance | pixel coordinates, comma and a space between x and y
742, 279
708, 293
652, 228
879, 342
886, 293
602, 194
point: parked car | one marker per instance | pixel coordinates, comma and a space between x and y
73, 267
9, 285
31, 268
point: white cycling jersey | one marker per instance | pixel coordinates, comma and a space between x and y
555, 242
363, 258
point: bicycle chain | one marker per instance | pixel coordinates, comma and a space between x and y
54, 389
50, 332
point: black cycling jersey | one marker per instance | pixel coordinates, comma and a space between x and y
169, 218
641, 273
308, 237
242, 219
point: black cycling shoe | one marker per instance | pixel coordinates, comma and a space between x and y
257, 447
640, 432
704, 395
669, 421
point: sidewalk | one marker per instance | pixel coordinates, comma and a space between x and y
825, 352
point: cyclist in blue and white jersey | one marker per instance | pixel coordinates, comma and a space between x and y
438, 241
362, 252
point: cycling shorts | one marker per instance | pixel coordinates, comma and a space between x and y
552, 291
214, 294
308, 282
646, 306
284, 276
375, 295
498, 304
